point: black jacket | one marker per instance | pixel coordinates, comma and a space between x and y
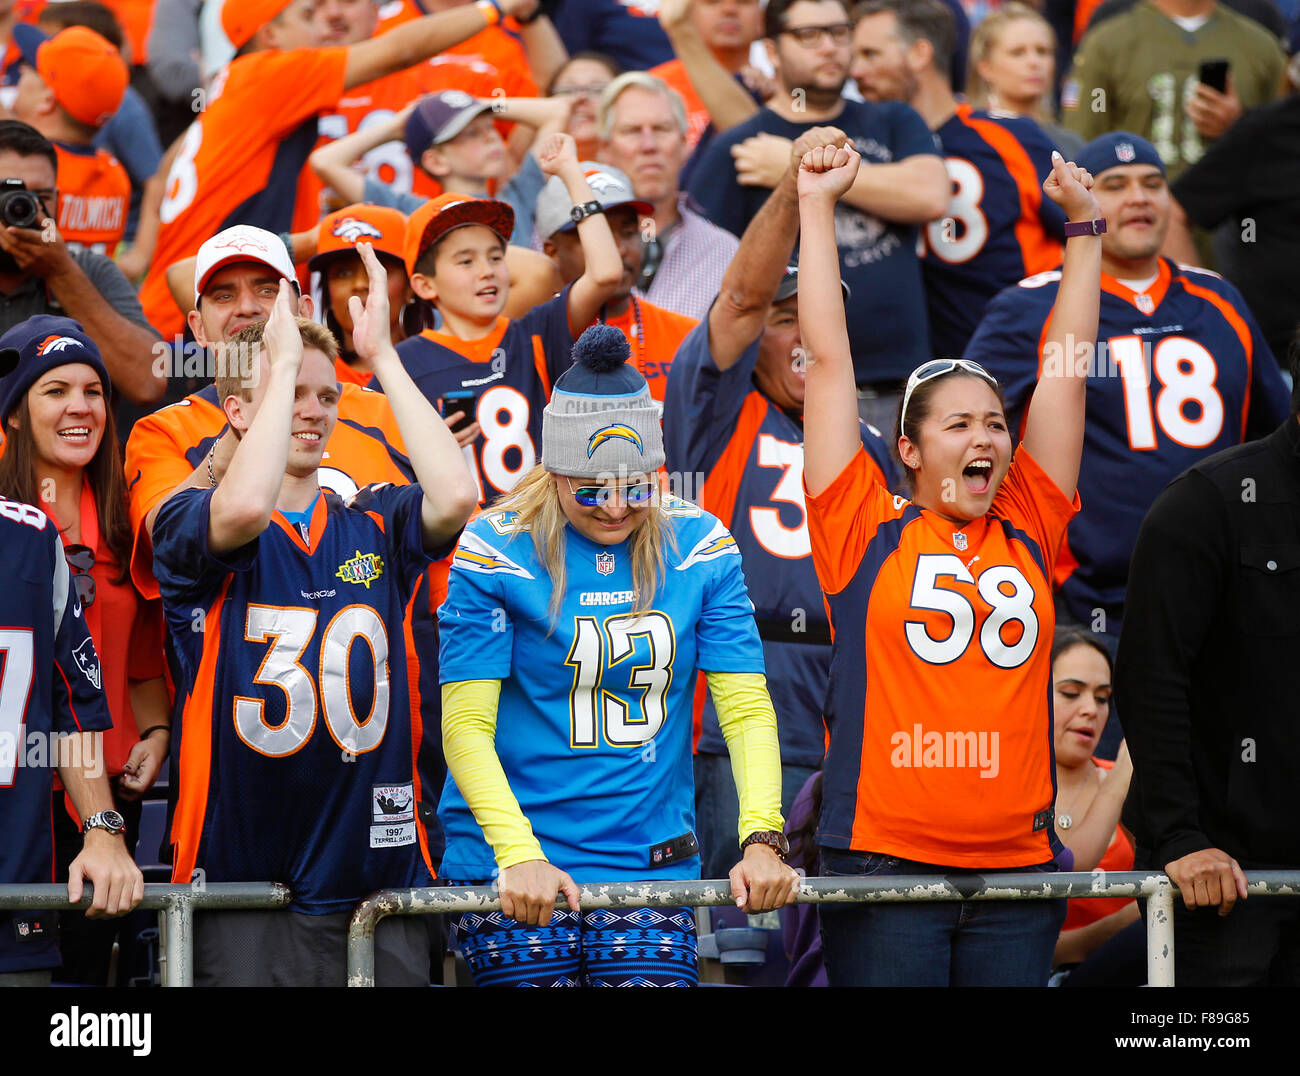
1208, 675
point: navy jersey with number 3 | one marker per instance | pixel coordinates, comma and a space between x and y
297, 749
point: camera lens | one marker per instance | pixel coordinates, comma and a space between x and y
19, 209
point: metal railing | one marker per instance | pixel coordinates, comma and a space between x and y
1155, 887
175, 904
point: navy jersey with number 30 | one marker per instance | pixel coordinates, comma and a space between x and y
297, 744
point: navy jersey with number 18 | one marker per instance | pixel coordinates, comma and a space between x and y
1181, 373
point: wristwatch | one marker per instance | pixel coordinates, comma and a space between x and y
1085, 227
773, 838
109, 820
579, 213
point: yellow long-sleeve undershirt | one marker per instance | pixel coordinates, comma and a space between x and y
469, 720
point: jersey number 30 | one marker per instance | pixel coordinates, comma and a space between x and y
588, 656
289, 630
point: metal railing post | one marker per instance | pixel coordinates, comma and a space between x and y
1160, 934
179, 932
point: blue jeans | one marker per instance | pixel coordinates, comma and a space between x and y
935, 943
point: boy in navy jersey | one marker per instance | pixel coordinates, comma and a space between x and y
297, 757
503, 369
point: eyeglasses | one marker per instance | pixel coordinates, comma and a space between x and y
635, 495
928, 371
591, 89
840, 33
81, 558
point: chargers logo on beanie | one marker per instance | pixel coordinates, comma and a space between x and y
607, 433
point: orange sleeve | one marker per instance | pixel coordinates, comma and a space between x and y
843, 518
155, 465
298, 82
1031, 501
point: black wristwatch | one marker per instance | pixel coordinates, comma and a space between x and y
773, 838
579, 213
108, 820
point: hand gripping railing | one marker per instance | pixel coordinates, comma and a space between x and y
175, 902
1157, 888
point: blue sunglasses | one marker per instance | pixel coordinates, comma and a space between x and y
635, 495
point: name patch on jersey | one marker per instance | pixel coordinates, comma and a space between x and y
363, 568
607, 597
392, 815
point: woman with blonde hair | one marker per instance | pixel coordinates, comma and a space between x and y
577, 614
1013, 70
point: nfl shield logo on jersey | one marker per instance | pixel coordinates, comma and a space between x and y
958, 541
605, 563
1145, 304
1125, 152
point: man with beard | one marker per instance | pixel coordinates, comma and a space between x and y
903, 184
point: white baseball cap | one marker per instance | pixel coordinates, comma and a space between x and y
242, 243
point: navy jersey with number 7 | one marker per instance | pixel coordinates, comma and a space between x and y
1181, 373
297, 750
50, 684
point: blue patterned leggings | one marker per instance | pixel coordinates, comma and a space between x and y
607, 947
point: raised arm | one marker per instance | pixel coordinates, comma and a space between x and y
604, 268
333, 162
1054, 427
245, 498
422, 39
830, 409
750, 282
449, 491
728, 102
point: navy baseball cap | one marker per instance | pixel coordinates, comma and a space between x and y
439, 118
1118, 147
790, 285
34, 347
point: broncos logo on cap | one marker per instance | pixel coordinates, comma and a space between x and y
240, 244
352, 230
619, 431
56, 343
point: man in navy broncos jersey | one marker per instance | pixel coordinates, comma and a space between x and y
1181, 372
297, 757
733, 419
50, 687
998, 227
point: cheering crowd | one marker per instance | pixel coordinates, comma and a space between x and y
532, 445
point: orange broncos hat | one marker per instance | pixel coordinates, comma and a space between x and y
342, 230
241, 19
440, 215
84, 71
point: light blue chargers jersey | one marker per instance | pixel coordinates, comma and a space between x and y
594, 725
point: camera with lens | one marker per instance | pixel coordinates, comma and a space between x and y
19, 207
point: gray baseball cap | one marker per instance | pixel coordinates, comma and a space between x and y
790, 285
610, 186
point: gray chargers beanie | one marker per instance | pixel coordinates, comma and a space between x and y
602, 422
